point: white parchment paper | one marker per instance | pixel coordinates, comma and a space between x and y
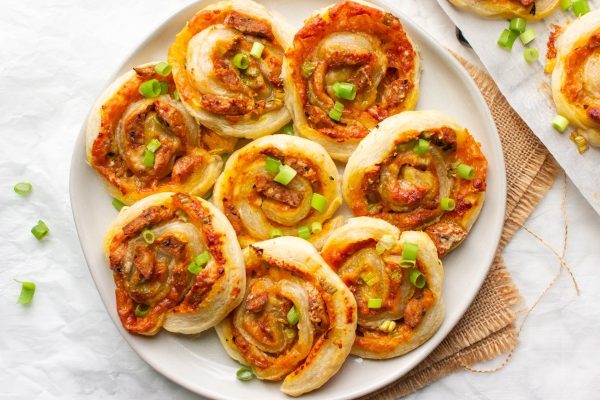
527, 89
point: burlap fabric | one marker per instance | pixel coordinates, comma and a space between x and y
488, 327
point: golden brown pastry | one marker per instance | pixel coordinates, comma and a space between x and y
280, 185
144, 144
297, 320
350, 66
396, 280
529, 9
227, 68
176, 264
419, 170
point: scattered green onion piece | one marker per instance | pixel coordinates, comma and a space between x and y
395, 275
118, 204
148, 159
203, 258
344, 90
316, 227
241, 61
527, 36
465, 171
560, 123
163, 68
417, 279
387, 242
148, 236
23, 188
153, 145
304, 232
580, 7
308, 67
447, 204
379, 249
336, 112
141, 310
164, 88
375, 303
422, 147
293, 316
272, 165
245, 374
288, 129
565, 4
150, 88
369, 278
27, 292
407, 263
285, 174
531, 55
507, 39
518, 25
409, 251
275, 233
40, 230
176, 95
257, 49
318, 202
194, 268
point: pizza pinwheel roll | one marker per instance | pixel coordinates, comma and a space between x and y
280, 185
348, 68
576, 75
396, 280
529, 9
227, 67
141, 140
297, 321
176, 264
419, 170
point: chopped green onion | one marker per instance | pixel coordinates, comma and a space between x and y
385, 243
304, 232
560, 123
336, 112
118, 204
518, 25
203, 258
141, 310
407, 263
465, 171
257, 49
308, 67
375, 303
285, 174
288, 129
23, 188
163, 68
344, 90
40, 230
153, 145
565, 4
148, 159
176, 95
241, 61
293, 316
527, 36
422, 147
150, 88
27, 292
164, 88
580, 7
369, 278
275, 233
531, 55
316, 227
245, 374
379, 249
409, 251
507, 39
447, 204
148, 236
387, 326
318, 202
194, 268
395, 275
417, 278
272, 165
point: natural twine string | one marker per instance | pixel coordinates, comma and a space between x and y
563, 265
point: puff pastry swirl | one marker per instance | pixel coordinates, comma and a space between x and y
529, 9
387, 178
404, 315
234, 100
176, 264
297, 321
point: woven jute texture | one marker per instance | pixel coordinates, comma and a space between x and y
488, 327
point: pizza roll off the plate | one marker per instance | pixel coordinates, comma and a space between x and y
141, 140
419, 170
396, 280
297, 321
349, 67
227, 68
529, 9
280, 185
576, 75
176, 264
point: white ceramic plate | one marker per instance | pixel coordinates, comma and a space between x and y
199, 363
